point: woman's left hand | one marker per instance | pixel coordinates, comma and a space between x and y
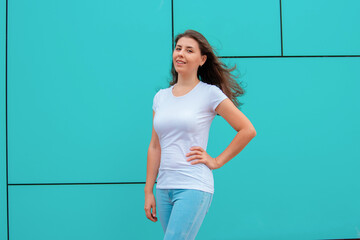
203, 157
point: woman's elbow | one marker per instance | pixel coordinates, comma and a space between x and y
252, 132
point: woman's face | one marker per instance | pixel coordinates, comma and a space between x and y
187, 56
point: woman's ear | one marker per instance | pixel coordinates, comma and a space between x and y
203, 58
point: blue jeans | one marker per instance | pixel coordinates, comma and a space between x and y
182, 211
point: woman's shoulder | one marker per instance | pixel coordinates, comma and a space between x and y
210, 87
161, 91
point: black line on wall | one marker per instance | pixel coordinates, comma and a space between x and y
172, 25
298, 56
6, 122
341, 239
25, 184
281, 35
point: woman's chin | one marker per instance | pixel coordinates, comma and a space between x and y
180, 71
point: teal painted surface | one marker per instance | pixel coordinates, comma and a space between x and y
80, 212
321, 27
298, 178
80, 89
76, 101
235, 28
3, 198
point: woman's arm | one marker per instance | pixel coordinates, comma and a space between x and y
241, 124
153, 161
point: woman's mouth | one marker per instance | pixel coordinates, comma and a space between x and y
179, 62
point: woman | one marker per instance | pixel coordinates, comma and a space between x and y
202, 87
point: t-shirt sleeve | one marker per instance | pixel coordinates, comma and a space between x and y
217, 96
155, 101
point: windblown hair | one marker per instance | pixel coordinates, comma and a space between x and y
213, 71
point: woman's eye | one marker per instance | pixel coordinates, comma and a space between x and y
190, 51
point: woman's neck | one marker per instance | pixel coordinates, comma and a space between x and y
187, 81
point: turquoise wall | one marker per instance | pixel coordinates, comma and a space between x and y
77, 83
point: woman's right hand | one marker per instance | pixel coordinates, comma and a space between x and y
150, 204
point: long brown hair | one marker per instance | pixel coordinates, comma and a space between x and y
213, 71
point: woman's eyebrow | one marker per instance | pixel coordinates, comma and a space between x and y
186, 46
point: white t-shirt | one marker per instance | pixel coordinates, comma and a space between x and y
180, 123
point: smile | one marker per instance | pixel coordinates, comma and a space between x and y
180, 62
